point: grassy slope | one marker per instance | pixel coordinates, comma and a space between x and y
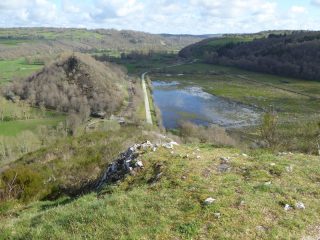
172, 207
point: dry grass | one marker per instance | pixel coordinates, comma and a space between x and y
191, 133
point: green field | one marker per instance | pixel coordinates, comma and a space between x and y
18, 68
227, 40
13, 128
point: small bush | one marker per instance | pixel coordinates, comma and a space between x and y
268, 129
191, 133
22, 183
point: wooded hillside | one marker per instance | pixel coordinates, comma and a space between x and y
293, 55
75, 83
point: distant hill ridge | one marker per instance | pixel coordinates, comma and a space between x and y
18, 42
291, 54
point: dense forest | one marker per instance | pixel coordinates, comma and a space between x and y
293, 55
74, 83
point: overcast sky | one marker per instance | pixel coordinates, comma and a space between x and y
164, 16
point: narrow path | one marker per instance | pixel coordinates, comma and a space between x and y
146, 99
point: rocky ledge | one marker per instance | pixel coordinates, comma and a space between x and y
128, 162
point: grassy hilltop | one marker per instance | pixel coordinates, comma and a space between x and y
165, 200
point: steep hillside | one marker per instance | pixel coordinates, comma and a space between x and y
75, 83
214, 42
177, 192
293, 55
20, 42
202, 48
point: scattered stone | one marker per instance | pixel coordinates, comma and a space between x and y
272, 164
224, 168
217, 215
242, 203
198, 150
289, 168
172, 152
198, 157
170, 145
183, 177
261, 228
287, 207
209, 201
225, 160
174, 143
139, 164
154, 149
146, 145
167, 145
300, 205
282, 154
267, 183
244, 155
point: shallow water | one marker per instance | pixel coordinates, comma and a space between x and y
178, 102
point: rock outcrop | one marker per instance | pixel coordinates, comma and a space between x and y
128, 162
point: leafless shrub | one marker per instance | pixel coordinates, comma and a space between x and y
268, 129
191, 133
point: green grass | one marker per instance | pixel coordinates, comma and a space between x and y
11, 69
18, 117
218, 42
12, 42
172, 207
13, 128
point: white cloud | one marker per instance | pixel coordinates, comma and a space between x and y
28, 12
70, 6
172, 16
298, 9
